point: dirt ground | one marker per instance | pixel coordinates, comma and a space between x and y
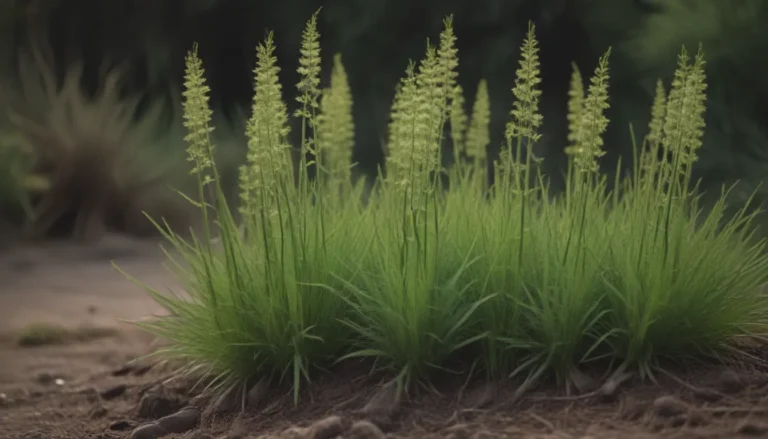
79, 383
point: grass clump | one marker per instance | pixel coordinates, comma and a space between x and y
80, 164
421, 278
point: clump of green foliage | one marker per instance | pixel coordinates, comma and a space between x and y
77, 164
422, 278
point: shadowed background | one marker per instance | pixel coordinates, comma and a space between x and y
93, 137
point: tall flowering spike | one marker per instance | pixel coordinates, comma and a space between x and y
309, 69
268, 158
593, 122
658, 113
575, 104
431, 111
649, 159
478, 134
197, 116
336, 129
448, 58
526, 118
401, 128
458, 120
684, 123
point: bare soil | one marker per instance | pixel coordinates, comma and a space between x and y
84, 384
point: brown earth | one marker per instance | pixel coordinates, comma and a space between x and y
79, 383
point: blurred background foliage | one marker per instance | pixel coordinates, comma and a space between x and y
92, 133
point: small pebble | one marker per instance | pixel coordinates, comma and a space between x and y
731, 382
669, 406
154, 404
114, 392
121, 425
152, 430
295, 433
182, 421
327, 428
364, 430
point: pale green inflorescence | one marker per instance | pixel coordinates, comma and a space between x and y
592, 123
575, 104
649, 159
658, 113
336, 131
684, 122
478, 133
401, 143
197, 116
526, 118
458, 120
268, 158
309, 84
419, 112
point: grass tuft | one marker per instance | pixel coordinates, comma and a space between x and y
423, 278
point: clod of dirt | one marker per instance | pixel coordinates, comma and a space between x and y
258, 393
669, 406
113, 392
182, 421
731, 382
327, 428
155, 404
121, 425
123, 370
152, 430
385, 402
752, 428
481, 396
142, 370
364, 430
